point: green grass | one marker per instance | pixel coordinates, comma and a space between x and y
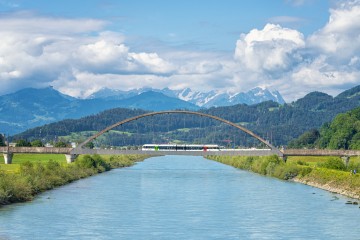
23, 157
308, 159
11, 168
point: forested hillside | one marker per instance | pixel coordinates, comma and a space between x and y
277, 123
342, 133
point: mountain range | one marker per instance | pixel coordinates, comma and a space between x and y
31, 107
201, 99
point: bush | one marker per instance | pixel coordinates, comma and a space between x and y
333, 163
14, 189
120, 161
299, 162
290, 172
268, 164
305, 171
85, 162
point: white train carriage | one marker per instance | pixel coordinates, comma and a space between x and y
180, 147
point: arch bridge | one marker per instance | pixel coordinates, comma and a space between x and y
271, 149
71, 153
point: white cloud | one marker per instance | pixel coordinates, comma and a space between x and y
270, 49
78, 57
340, 37
34, 51
283, 59
27, 22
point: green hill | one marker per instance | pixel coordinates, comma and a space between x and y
342, 133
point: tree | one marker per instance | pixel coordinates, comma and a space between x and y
90, 145
306, 140
37, 143
2, 141
61, 144
22, 143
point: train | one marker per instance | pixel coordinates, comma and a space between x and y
180, 147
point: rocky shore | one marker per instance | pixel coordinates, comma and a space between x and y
328, 187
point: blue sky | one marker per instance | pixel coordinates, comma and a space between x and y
294, 46
210, 24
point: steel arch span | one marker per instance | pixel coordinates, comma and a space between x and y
181, 112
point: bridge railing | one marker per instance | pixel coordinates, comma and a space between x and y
320, 152
45, 150
245, 152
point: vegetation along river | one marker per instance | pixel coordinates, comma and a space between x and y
178, 197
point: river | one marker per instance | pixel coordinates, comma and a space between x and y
178, 197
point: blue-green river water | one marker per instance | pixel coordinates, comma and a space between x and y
178, 197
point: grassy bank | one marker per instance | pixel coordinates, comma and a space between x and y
329, 173
23, 180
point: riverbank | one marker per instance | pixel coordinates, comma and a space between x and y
334, 181
29, 178
328, 173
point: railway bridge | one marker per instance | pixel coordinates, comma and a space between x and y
72, 153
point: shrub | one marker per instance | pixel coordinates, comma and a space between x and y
305, 171
287, 171
85, 162
333, 163
299, 162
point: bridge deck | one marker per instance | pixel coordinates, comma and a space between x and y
189, 153
228, 152
320, 152
43, 150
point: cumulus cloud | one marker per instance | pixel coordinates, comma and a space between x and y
79, 57
340, 37
282, 58
270, 49
39, 50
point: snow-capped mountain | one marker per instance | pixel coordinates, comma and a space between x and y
201, 99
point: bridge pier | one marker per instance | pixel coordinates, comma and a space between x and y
8, 157
70, 157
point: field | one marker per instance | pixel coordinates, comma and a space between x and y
314, 160
21, 157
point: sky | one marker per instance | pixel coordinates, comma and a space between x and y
80, 47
